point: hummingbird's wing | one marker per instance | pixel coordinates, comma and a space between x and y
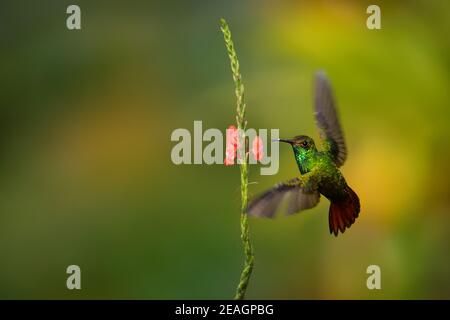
266, 204
327, 120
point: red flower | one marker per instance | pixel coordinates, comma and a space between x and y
232, 143
257, 148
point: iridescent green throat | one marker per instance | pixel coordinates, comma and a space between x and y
305, 158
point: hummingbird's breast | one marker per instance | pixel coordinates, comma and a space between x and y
332, 183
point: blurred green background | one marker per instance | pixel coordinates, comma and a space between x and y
86, 176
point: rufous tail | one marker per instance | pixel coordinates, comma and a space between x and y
343, 211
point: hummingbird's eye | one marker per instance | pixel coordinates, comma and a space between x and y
304, 143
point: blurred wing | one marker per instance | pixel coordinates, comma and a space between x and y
327, 120
299, 201
267, 204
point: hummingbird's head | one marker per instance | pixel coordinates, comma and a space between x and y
300, 142
304, 146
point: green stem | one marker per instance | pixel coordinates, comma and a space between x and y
241, 125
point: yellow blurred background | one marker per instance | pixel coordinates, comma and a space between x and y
86, 176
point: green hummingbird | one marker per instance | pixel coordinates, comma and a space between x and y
319, 173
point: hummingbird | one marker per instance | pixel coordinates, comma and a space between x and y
319, 170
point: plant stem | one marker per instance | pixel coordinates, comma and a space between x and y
241, 126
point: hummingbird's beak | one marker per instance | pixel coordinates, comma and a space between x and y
283, 140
